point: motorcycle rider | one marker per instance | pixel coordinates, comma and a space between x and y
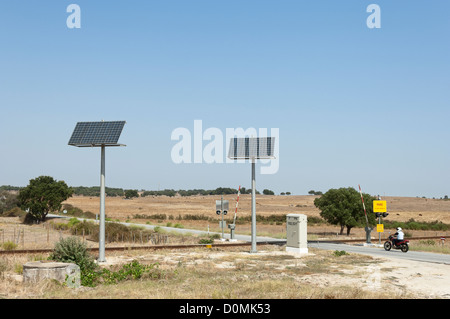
399, 236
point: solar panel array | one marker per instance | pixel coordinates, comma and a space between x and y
251, 147
97, 133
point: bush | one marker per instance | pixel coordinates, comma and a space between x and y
86, 226
428, 242
312, 220
14, 212
414, 225
204, 241
118, 232
59, 226
130, 271
8, 201
130, 193
215, 236
9, 245
339, 253
72, 222
209, 240
77, 212
154, 216
73, 250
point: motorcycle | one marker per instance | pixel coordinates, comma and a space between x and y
403, 245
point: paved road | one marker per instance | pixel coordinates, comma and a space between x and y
358, 248
380, 252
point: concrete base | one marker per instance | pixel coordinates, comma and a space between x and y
35, 271
297, 250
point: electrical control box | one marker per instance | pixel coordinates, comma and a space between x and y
296, 233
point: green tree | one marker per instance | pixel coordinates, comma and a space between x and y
7, 201
130, 193
344, 207
268, 192
42, 196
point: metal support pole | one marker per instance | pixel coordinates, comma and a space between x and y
101, 257
221, 210
379, 234
253, 250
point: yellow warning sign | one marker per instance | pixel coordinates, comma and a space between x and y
380, 228
379, 206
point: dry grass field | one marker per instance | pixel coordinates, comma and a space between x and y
399, 208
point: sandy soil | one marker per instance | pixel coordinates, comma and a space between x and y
426, 280
412, 279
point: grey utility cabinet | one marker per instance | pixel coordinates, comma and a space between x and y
296, 233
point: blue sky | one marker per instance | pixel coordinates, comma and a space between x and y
353, 105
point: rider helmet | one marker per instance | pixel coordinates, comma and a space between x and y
399, 228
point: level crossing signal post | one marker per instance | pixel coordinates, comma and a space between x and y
380, 210
222, 209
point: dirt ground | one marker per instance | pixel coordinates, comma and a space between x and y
384, 275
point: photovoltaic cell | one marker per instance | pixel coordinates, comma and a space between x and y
251, 147
96, 133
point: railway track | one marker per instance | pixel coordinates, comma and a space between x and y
188, 246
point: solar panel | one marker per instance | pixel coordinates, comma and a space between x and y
251, 148
97, 133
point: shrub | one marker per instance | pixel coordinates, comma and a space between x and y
130, 193
8, 201
157, 229
14, 212
73, 250
130, 271
209, 240
215, 236
72, 222
86, 226
339, 253
59, 226
9, 245
77, 212
154, 216
204, 241
414, 225
312, 220
428, 242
